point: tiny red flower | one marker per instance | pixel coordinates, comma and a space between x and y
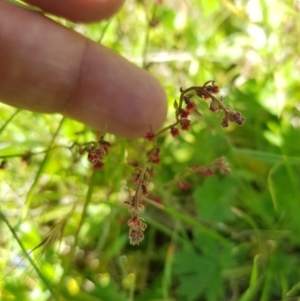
212, 89
153, 156
206, 171
184, 185
94, 156
150, 136
236, 117
97, 154
99, 165
190, 106
224, 122
136, 228
215, 89
185, 124
184, 113
174, 131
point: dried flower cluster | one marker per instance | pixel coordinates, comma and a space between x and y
183, 109
136, 223
97, 153
210, 169
186, 105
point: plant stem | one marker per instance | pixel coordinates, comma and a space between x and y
42, 277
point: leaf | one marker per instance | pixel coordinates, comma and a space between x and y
214, 198
175, 105
198, 274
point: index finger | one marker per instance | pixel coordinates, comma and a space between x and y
79, 10
46, 67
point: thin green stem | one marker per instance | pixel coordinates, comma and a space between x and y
181, 100
166, 128
42, 277
31, 8
82, 219
138, 188
30, 154
43, 165
205, 92
104, 31
7, 122
147, 36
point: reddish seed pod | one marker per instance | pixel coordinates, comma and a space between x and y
94, 156
224, 122
184, 185
206, 171
174, 131
153, 156
190, 106
184, 113
150, 136
185, 124
99, 165
212, 89
215, 89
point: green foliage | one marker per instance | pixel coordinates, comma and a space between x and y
214, 198
220, 237
200, 269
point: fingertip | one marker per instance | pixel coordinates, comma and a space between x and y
115, 95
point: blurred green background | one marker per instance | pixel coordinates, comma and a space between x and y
229, 237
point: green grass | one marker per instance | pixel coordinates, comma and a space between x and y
229, 237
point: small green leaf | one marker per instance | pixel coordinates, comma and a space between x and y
175, 105
214, 198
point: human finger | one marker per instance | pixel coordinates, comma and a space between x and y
79, 10
46, 67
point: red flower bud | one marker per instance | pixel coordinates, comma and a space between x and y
190, 106
153, 156
174, 131
150, 136
99, 165
185, 124
224, 122
184, 113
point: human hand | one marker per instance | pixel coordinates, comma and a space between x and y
45, 67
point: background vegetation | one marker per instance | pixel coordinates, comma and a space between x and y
221, 237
